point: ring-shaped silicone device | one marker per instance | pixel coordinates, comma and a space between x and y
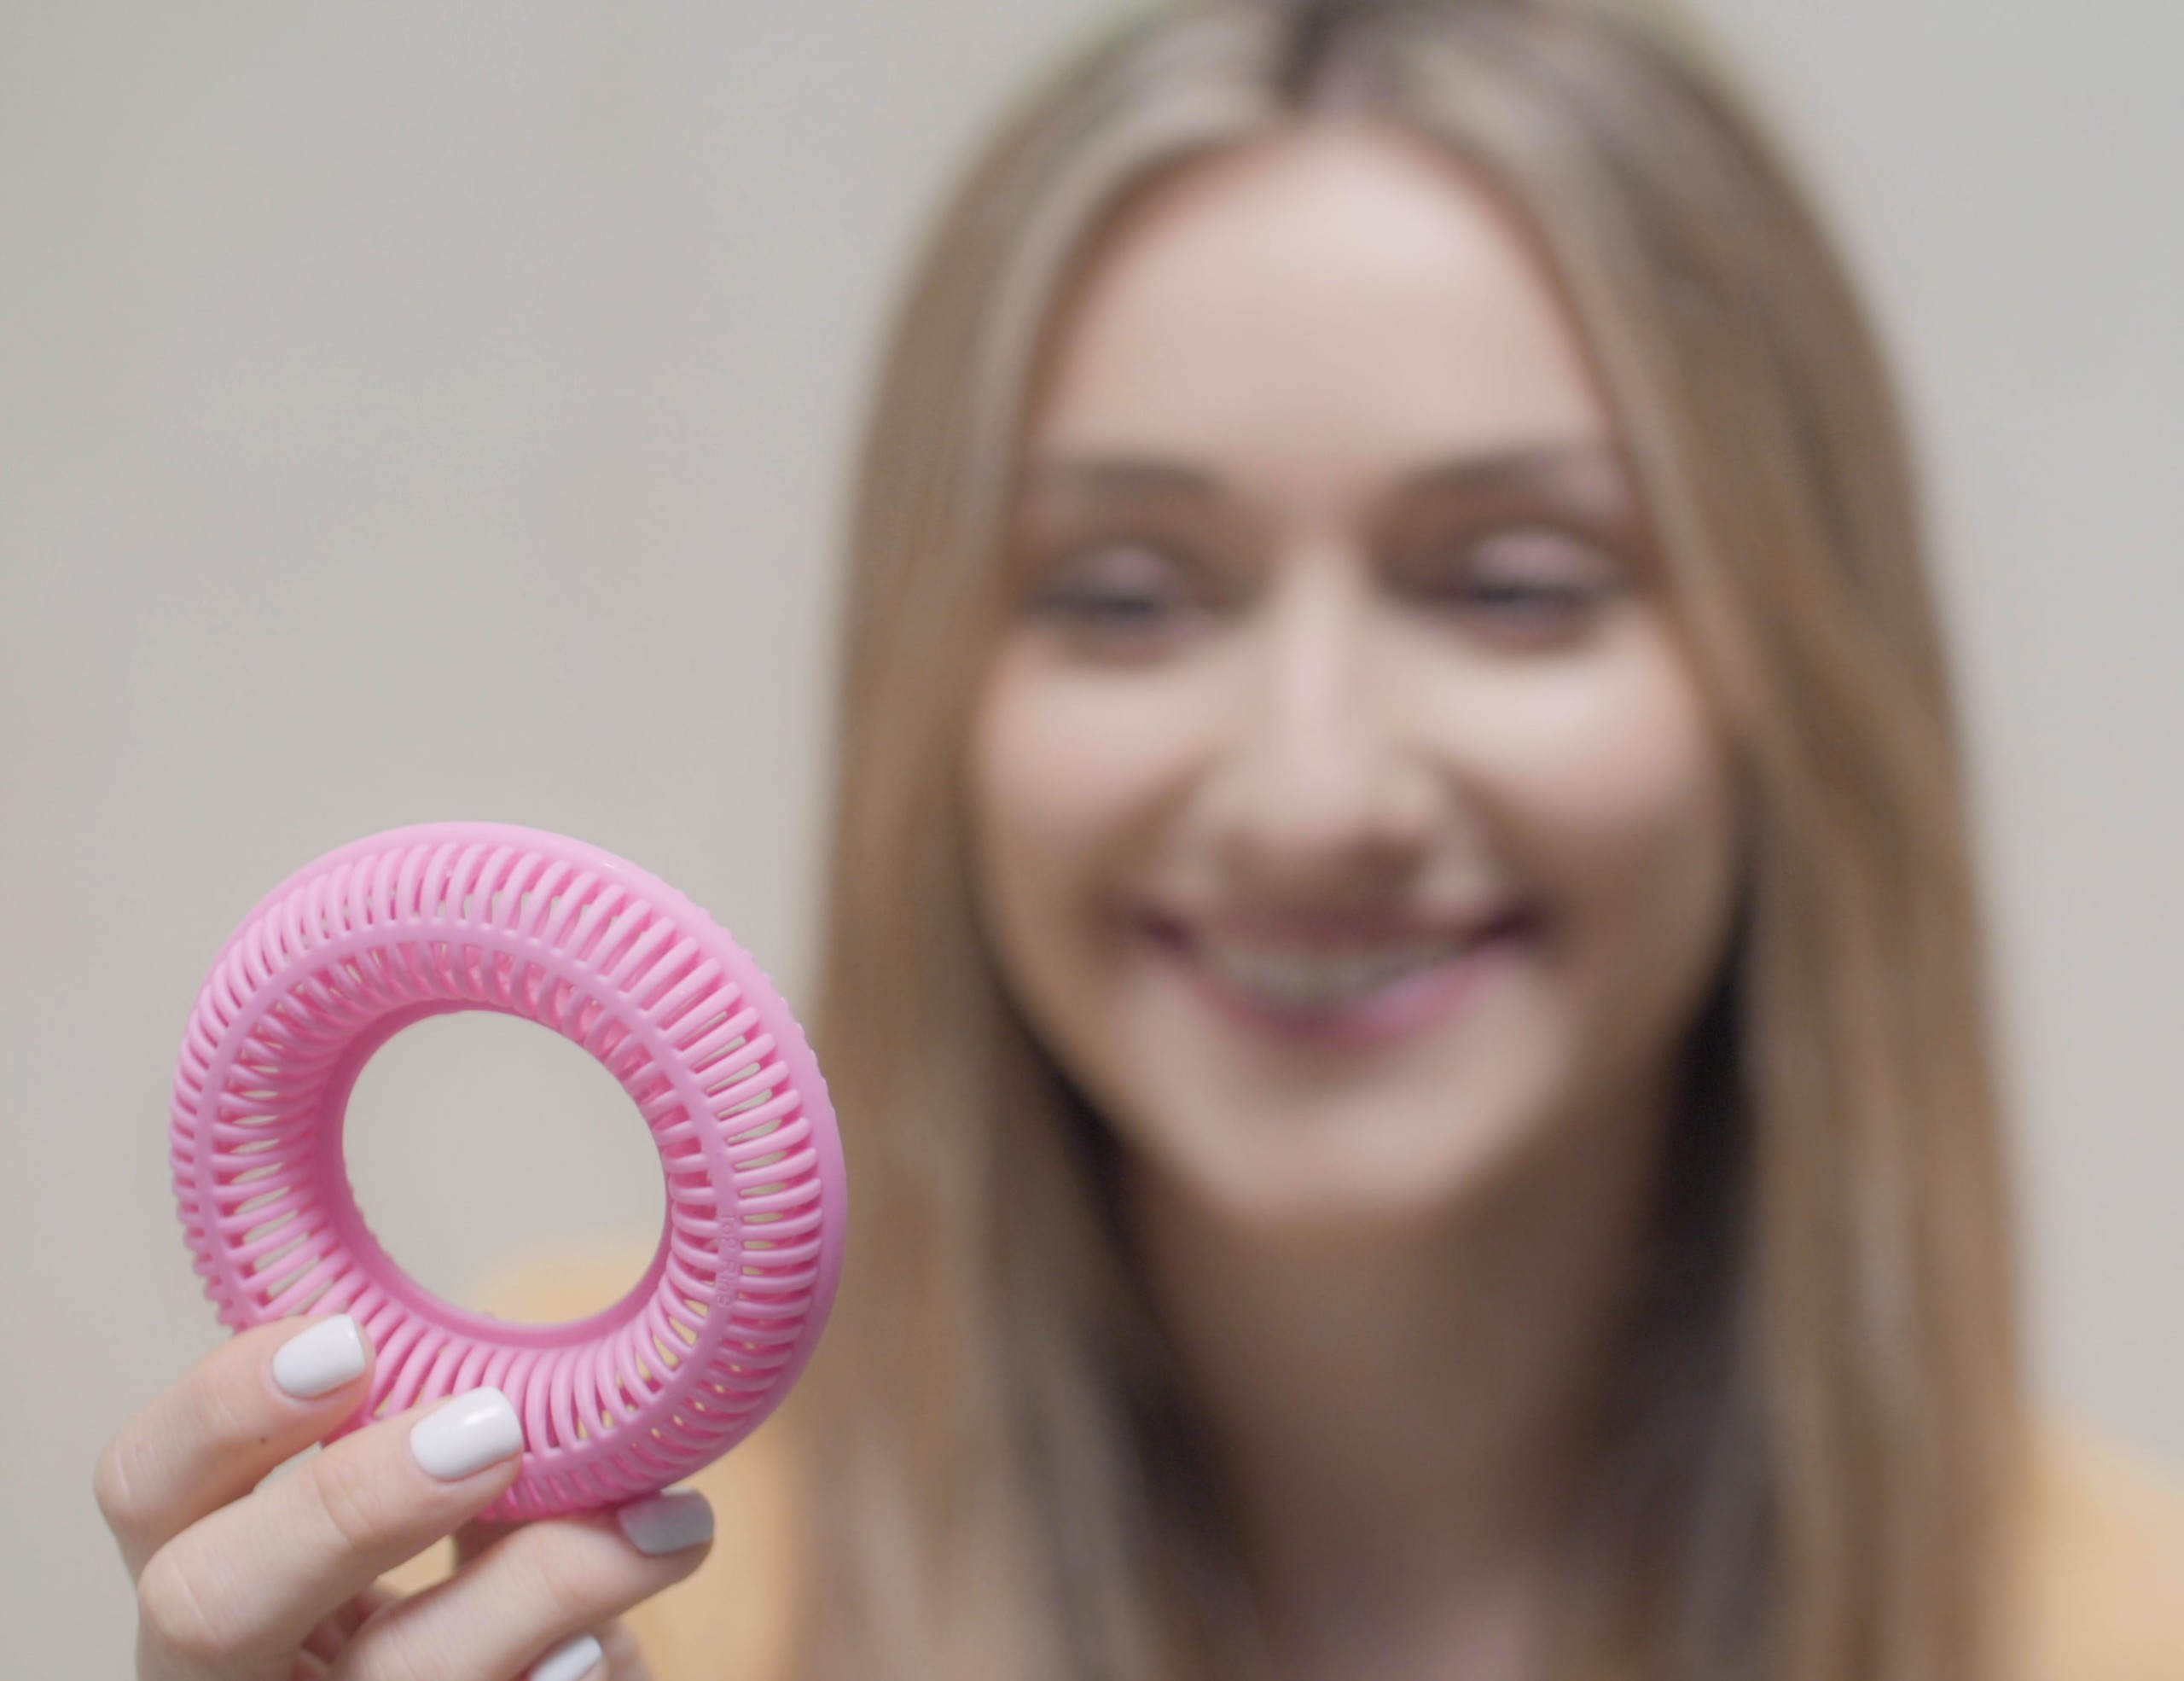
423, 921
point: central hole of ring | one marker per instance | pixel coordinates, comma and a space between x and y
503, 1169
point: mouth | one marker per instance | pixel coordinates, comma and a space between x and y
1340, 979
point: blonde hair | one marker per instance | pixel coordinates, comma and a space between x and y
1821, 1422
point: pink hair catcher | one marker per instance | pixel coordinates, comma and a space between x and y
420, 922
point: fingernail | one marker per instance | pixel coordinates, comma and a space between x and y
571, 1660
320, 1360
477, 1428
667, 1523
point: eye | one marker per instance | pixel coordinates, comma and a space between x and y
1123, 594
1522, 583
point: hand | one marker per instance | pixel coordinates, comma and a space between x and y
241, 1582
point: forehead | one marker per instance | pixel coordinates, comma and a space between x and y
1337, 302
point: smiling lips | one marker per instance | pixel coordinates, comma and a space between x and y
1336, 981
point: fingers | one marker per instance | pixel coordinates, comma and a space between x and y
575, 1659
625, 1660
533, 1602
610, 1654
247, 1584
332, 1632
263, 1396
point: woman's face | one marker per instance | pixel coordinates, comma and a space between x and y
1349, 821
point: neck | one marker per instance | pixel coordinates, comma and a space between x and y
1401, 1413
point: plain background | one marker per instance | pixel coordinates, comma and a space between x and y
411, 411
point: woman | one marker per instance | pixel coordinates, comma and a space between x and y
1402, 969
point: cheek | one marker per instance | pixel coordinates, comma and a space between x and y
1058, 757
1070, 774
1611, 785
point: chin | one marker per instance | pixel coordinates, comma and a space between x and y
1381, 1165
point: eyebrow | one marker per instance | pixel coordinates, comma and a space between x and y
1547, 467
1124, 475
1554, 467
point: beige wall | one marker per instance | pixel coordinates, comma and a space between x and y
411, 411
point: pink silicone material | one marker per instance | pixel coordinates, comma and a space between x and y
418, 921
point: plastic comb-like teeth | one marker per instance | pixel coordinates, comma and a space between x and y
484, 916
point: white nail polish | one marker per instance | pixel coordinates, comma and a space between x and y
571, 1660
668, 1522
321, 1359
477, 1428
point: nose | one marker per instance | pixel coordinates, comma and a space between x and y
1320, 793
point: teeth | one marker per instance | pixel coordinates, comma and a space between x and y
1323, 980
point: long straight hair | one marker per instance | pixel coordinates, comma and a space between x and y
1820, 1426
